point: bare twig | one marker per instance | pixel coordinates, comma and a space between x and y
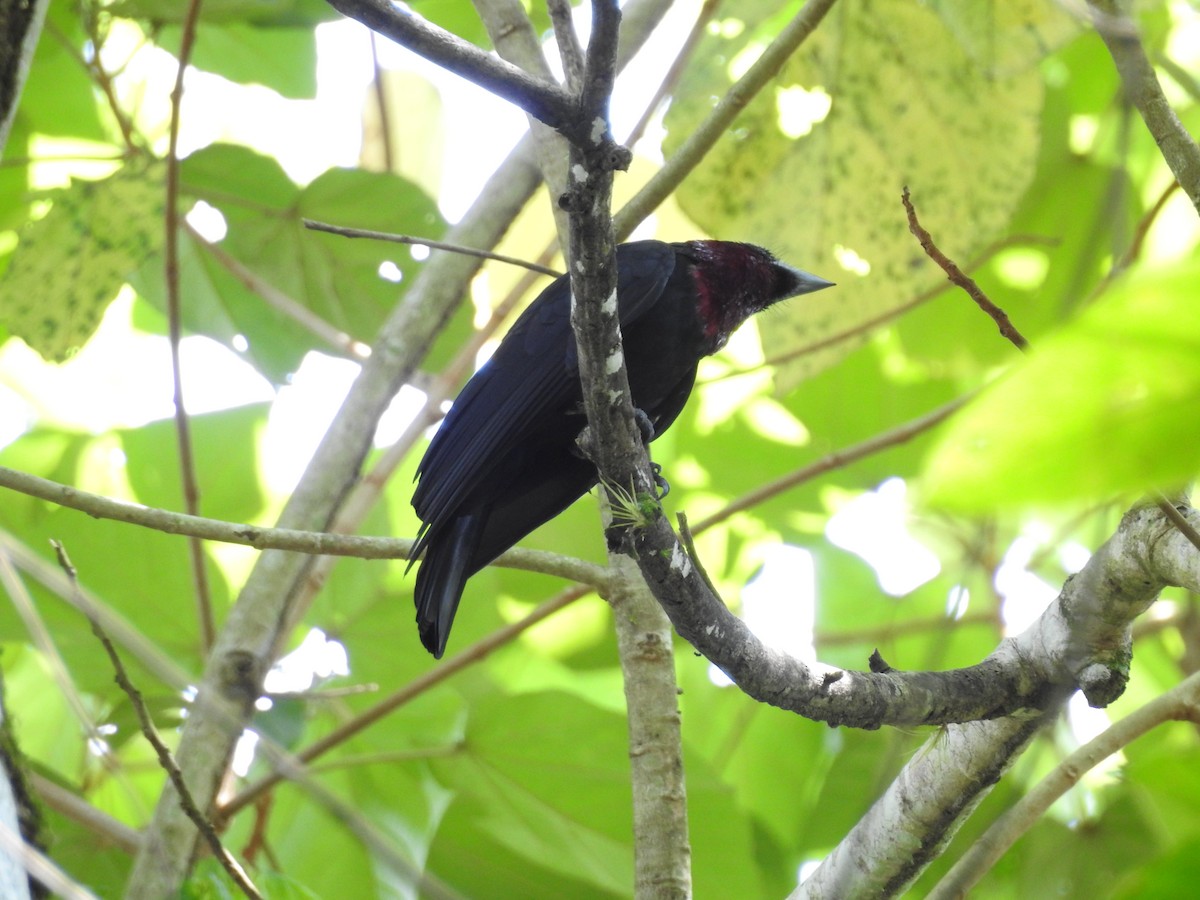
426, 242
675, 72
569, 49
836, 460
379, 90
960, 278
187, 465
310, 542
513, 35
165, 759
956, 275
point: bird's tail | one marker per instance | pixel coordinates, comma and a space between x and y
449, 562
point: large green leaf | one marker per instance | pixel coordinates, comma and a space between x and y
335, 278
821, 184
1098, 408
543, 801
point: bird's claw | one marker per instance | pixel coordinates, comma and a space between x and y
645, 426
664, 486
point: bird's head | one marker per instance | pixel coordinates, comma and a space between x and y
733, 281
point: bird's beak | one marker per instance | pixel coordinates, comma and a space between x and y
806, 282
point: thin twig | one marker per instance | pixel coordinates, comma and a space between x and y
888, 315
956, 275
183, 431
163, 667
165, 759
1142, 229
379, 90
569, 49
310, 542
960, 278
836, 460
426, 242
43, 640
97, 73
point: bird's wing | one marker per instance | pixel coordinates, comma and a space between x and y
530, 379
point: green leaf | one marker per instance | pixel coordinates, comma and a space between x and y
337, 279
283, 59
59, 97
815, 164
540, 809
71, 263
1100, 407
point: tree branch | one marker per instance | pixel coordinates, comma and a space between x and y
1141, 84
513, 36
183, 428
165, 759
245, 647
662, 855
1181, 703
539, 97
1081, 640
958, 277
662, 848
314, 543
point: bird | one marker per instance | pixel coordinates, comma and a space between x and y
504, 459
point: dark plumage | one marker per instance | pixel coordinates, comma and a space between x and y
504, 460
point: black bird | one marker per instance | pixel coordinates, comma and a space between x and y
504, 460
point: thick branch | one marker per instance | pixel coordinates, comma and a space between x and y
943, 783
910, 825
242, 653
662, 855
660, 825
1081, 640
1181, 703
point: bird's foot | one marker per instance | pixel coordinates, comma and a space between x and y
664, 486
645, 426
